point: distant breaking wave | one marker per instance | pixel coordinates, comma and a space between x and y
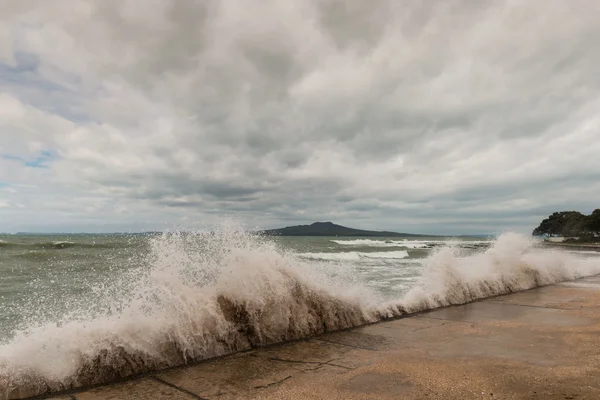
381, 243
410, 244
355, 256
206, 295
58, 244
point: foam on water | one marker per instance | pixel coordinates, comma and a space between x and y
202, 295
513, 263
410, 244
56, 245
406, 243
209, 294
592, 253
355, 256
379, 243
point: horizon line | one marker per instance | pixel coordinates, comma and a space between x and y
208, 230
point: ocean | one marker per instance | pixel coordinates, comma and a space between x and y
85, 309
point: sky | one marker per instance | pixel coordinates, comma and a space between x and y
429, 117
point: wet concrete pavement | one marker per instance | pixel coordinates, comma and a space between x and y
539, 344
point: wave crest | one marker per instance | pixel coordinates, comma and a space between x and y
412, 244
60, 244
355, 256
514, 263
203, 295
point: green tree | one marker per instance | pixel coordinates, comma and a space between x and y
548, 227
564, 223
592, 222
574, 224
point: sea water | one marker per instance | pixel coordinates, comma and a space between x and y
87, 309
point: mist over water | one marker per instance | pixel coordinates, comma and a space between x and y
89, 310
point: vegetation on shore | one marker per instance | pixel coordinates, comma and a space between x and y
571, 224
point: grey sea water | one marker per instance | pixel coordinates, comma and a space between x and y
48, 277
88, 309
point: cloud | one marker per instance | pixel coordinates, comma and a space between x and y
441, 117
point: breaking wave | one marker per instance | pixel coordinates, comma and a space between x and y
208, 294
59, 244
411, 244
382, 243
355, 256
514, 263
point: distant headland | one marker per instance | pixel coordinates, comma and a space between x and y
571, 229
571, 225
331, 229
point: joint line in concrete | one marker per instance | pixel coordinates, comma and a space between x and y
273, 383
162, 381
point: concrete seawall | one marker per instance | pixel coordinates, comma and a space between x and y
538, 344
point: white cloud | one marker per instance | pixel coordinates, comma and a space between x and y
420, 116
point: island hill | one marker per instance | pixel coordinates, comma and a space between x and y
331, 229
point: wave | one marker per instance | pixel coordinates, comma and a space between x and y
384, 243
201, 296
412, 244
593, 253
514, 263
60, 244
207, 295
355, 256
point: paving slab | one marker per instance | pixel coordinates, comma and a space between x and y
146, 388
68, 397
517, 313
539, 344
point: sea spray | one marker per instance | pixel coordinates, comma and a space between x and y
207, 294
202, 295
513, 263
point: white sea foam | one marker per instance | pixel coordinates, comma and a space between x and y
204, 295
406, 243
591, 253
382, 243
355, 256
514, 263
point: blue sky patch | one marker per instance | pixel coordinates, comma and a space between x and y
41, 161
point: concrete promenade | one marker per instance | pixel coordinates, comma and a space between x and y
539, 344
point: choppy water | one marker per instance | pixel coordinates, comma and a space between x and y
85, 309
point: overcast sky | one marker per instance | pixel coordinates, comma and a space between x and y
419, 116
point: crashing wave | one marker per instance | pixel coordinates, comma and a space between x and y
205, 295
